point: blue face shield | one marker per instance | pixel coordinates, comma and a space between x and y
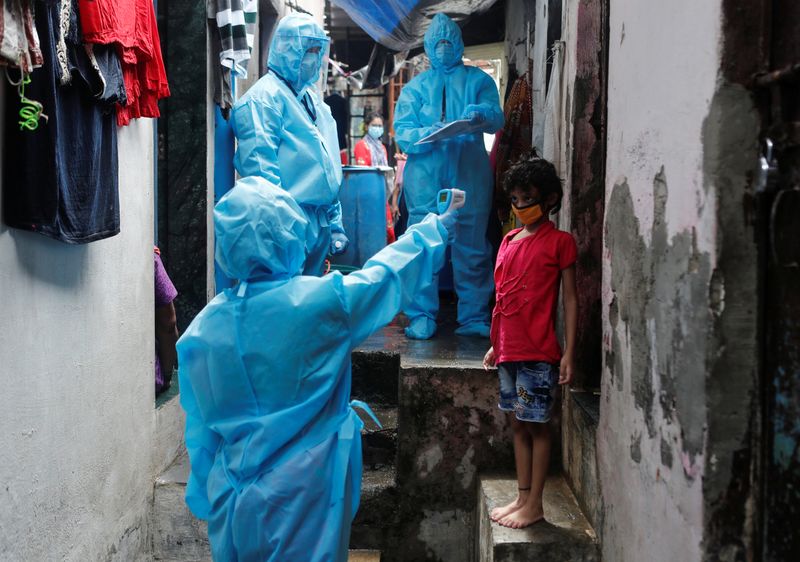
445, 53
309, 68
375, 131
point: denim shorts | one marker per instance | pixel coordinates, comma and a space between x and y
528, 388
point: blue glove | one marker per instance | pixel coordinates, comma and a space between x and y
339, 243
448, 220
449, 216
474, 113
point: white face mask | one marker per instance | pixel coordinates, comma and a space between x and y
375, 131
309, 68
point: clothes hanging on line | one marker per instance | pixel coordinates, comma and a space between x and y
130, 25
61, 178
236, 27
19, 42
515, 138
553, 107
231, 30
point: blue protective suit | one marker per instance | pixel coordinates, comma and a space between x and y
287, 135
274, 443
446, 92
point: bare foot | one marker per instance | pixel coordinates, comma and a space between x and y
500, 512
525, 516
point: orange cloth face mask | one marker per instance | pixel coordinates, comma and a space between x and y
528, 215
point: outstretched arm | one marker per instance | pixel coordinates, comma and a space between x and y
391, 278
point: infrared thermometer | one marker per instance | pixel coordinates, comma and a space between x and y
450, 200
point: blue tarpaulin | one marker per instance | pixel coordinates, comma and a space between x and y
400, 24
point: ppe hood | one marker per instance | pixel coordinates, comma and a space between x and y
441, 28
294, 35
260, 232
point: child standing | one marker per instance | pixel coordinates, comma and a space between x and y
531, 262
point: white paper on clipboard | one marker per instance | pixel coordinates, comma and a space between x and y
453, 129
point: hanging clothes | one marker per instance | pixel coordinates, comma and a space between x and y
61, 178
515, 138
553, 112
19, 42
236, 25
130, 25
231, 27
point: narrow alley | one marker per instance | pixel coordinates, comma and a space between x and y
400, 280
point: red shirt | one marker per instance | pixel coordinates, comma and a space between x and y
363, 155
132, 25
527, 279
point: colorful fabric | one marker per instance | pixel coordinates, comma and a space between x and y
132, 26
19, 41
527, 277
514, 139
236, 26
165, 293
370, 152
61, 179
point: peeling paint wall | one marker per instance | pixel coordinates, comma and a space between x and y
76, 368
660, 253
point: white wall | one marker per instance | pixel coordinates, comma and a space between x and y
664, 59
76, 369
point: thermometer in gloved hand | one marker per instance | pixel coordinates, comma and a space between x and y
450, 200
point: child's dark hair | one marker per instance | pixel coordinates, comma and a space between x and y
531, 171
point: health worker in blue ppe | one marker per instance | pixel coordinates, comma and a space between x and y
287, 135
447, 92
265, 376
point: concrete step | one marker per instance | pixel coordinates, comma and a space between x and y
379, 444
375, 376
364, 556
374, 523
565, 534
177, 535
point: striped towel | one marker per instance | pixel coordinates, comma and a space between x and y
236, 21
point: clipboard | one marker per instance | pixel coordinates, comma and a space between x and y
453, 129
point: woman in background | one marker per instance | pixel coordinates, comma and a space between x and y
370, 151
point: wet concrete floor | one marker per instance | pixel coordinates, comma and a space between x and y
445, 349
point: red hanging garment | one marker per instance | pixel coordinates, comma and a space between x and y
515, 138
131, 25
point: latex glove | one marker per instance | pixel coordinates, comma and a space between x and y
435, 127
448, 221
449, 217
339, 243
474, 113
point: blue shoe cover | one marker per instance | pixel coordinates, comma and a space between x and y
421, 328
476, 329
